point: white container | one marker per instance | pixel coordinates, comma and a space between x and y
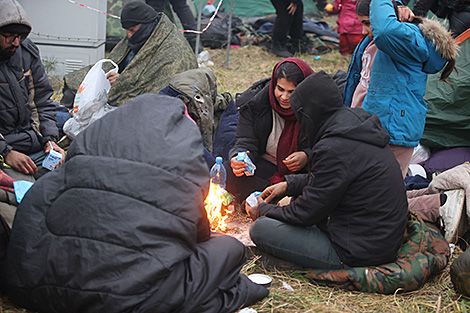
52, 160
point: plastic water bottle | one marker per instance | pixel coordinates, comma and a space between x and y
218, 173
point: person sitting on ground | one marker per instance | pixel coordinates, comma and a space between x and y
350, 209
121, 226
268, 130
153, 51
27, 125
389, 70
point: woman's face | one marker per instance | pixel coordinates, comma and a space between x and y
366, 29
282, 92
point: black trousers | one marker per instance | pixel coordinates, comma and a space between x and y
287, 24
180, 7
241, 187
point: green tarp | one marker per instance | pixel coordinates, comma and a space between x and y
250, 8
242, 8
448, 117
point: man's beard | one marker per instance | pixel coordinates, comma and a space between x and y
6, 54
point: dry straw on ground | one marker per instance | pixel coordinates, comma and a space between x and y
246, 66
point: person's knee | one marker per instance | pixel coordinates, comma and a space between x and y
262, 227
230, 245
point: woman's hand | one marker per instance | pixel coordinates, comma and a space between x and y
274, 192
238, 167
296, 161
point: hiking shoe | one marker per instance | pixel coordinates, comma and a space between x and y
452, 214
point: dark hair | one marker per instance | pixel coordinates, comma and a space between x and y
363, 7
290, 72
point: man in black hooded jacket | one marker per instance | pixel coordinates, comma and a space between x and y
351, 208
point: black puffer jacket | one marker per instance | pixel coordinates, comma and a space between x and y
121, 226
27, 114
354, 190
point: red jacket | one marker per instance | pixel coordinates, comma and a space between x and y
348, 22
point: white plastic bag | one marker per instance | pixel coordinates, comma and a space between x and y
420, 154
91, 99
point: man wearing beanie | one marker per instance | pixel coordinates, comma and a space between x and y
151, 53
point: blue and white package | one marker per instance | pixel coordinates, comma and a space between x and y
51, 160
250, 167
251, 199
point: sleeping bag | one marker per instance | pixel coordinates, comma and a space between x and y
121, 225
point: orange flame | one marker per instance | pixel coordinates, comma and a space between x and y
216, 212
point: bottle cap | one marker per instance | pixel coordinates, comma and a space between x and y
218, 159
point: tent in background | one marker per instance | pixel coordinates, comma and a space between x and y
250, 8
448, 117
243, 8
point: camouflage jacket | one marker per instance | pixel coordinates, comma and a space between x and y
165, 54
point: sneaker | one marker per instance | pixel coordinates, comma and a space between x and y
452, 214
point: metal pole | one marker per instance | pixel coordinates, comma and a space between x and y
198, 35
229, 34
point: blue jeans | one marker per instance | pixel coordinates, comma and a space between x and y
306, 246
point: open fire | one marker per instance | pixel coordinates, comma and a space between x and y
216, 207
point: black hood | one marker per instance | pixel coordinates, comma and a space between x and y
318, 106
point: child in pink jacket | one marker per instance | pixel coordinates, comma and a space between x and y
349, 27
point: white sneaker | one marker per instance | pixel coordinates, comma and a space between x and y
452, 215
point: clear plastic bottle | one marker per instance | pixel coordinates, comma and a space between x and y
218, 173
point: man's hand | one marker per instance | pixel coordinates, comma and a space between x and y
238, 167
405, 14
21, 162
292, 8
252, 211
296, 161
274, 192
112, 76
52, 145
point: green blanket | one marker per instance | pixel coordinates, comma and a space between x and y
424, 252
165, 54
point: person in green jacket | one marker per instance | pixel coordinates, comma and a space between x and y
152, 52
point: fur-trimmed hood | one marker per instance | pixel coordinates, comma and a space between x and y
442, 41
13, 13
440, 37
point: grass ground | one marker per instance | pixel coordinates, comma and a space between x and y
247, 65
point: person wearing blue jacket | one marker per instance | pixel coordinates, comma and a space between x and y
388, 72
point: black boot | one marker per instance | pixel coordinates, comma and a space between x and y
280, 50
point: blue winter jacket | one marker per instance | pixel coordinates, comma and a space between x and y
405, 56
